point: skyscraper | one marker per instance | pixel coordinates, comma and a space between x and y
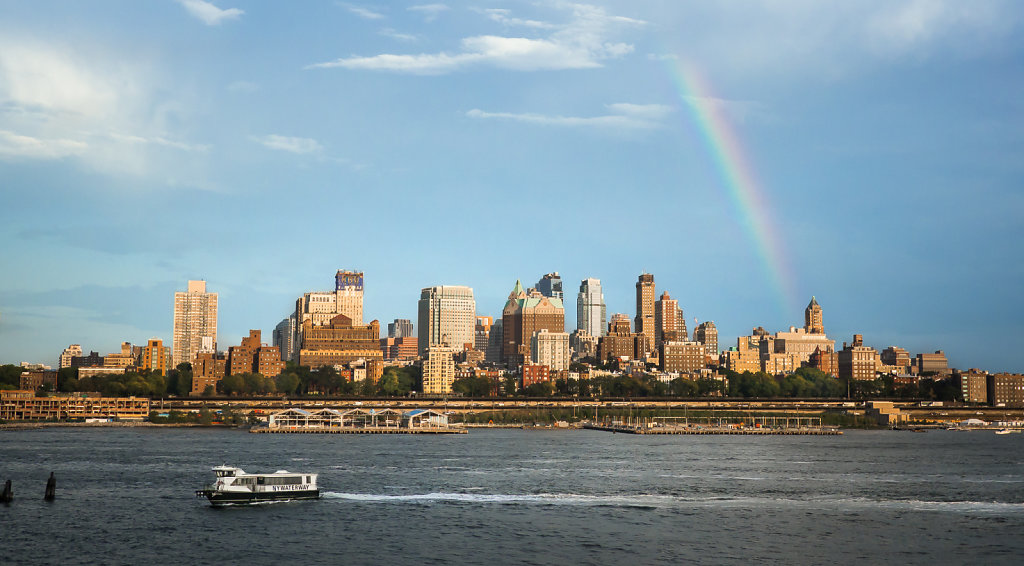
591, 313
669, 323
195, 317
550, 285
447, 316
706, 333
321, 307
283, 335
400, 328
524, 314
812, 318
644, 322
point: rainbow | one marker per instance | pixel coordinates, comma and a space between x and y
740, 182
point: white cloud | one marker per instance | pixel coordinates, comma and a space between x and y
390, 32
622, 116
208, 13
13, 145
362, 12
290, 144
503, 16
430, 11
580, 44
100, 110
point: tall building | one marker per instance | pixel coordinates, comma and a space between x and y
550, 349
252, 356
550, 286
681, 357
483, 332
154, 356
937, 363
320, 307
438, 370
525, 313
896, 357
812, 318
644, 321
340, 343
591, 313
619, 341
494, 342
400, 328
283, 335
669, 323
71, 351
447, 316
1005, 389
857, 361
195, 318
707, 334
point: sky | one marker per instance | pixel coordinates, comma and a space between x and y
749, 154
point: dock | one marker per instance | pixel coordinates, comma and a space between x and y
758, 431
356, 430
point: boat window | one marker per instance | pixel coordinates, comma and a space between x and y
260, 480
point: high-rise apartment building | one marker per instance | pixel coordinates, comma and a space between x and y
525, 313
400, 328
591, 313
644, 321
550, 349
71, 351
707, 334
447, 316
669, 322
438, 370
195, 318
550, 286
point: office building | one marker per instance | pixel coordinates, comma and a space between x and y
447, 317
400, 328
591, 313
550, 286
483, 333
933, 363
282, 337
341, 342
195, 318
321, 307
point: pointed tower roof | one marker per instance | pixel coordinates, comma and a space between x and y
813, 303
517, 289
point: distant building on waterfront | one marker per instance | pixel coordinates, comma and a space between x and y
857, 361
813, 322
400, 328
438, 370
74, 350
282, 337
669, 322
619, 342
154, 357
591, 313
207, 370
707, 333
550, 285
525, 313
404, 348
25, 406
974, 386
896, 357
482, 333
340, 343
1005, 389
933, 363
644, 321
583, 344
550, 349
682, 357
252, 356
494, 342
447, 317
195, 318
826, 361
321, 307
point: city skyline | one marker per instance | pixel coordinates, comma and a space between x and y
749, 156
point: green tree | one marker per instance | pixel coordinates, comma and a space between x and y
389, 384
472, 386
10, 376
288, 383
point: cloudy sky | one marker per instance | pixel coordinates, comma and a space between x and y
749, 154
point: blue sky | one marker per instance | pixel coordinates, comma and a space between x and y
264, 145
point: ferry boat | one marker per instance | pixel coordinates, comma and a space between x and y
236, 487
1008, 431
